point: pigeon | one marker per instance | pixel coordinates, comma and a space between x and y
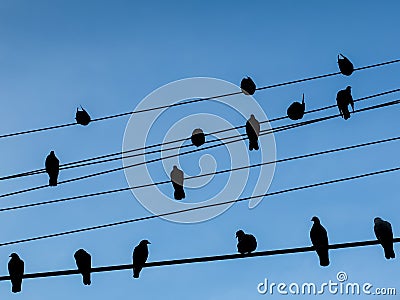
296, 110
345, 65
248, 86
82, 117
177, 183
16, 271
198, 138
253, 131
52, 168
246, 242
384, 234
84, 263
343, 100
139, 257
319, 239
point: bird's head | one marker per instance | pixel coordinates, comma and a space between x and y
377, 220
14, 255
239, 233
315, 219
348, 88
144, 242
252, 116
51, 152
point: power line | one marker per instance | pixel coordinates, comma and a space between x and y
199, 207
195, 100
263, 132
106, 157
213, 258
202, 175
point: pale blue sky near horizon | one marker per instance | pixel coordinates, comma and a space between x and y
108, 55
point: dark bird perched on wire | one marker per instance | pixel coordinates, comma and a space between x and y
253, 131
319, 239
139, 257
246, 242
177, 183
16, 271
343, 100
296, 110
248, 86
345, 65
384, 234
198, 138
84, 263
82, 117
52, 165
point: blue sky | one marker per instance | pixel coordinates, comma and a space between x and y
108, 55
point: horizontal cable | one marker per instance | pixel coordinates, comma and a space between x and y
194, 100
202, 175
263, 132
199, 207
213, 258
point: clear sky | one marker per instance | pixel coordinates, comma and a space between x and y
108, 55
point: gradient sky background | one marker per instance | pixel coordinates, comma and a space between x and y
108, 55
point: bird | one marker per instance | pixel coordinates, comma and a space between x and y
345, 65
52, 165
343, 100
177, 183
82, 117
253, 131
296, 110
139, 257
246, 242
248, 86
384, 234
198, 137
84, 263
319, 239
16, 271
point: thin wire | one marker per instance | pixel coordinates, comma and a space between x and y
263, 132
203, 175
195, 100
96, 160
198, 207
213, 258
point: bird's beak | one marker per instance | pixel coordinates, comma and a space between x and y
149, 242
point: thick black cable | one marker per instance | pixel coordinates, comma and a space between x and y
198, 207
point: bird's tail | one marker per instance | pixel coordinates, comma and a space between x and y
53, 181
323, 257
389, 252
16, 287
86, 278
346, 114
253, 144
136, 272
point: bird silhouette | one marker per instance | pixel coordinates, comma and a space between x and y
82, 117
177, 183
345, 65
246, 242
248, 86
384, 234
52, 165
84, 263
319, 239
16, 271
139, 257
198, 138
296, 110
253, 131
343, 100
